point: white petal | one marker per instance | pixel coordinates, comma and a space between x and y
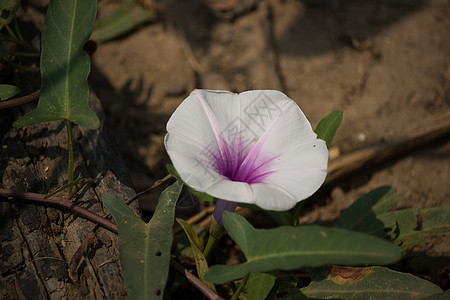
301, 163
232, 191
276, 132
259, 108
266, 196
192, 132
272, 197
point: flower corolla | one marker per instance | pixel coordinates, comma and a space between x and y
255, 147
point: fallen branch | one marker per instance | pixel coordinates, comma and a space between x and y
61, 201
19, 101
433, 129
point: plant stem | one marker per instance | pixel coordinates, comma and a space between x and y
17, 66
70, 152
18, 42
296, 213
209, 245
26, 54
16, 27
11, 32
240, 288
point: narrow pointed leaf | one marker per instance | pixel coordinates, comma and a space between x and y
259, 285
367, 283
120, 22
183, 245
327, 127
7, 91
65, 65
417, 226
367, 207
290, 248
197, 248
190, 233
145, 247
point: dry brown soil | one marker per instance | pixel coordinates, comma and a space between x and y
385, 64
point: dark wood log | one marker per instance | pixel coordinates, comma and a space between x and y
39, 242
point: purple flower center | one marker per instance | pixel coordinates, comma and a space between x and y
240, 161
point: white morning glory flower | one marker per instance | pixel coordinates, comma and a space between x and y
255, 147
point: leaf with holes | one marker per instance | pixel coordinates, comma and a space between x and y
64, 65
289, 248
366, 283
416, 226
145, 247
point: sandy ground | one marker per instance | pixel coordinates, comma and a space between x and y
385, 64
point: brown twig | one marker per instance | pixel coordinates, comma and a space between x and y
192, 278
19, 101
156, 184
61, 201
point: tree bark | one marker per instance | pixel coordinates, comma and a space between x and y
39, 242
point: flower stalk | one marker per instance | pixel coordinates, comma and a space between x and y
240, 288
70, 169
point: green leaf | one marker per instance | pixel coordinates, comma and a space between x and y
197, 248
290, 248
367, 283
287, 286
120, 22
282, 218
172, 171
259, 285
416, 226
190, 233
65, 65
200, 195
440, 296
367, 207
327, 127
183, 245
7, 91
145, 247
8, 9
